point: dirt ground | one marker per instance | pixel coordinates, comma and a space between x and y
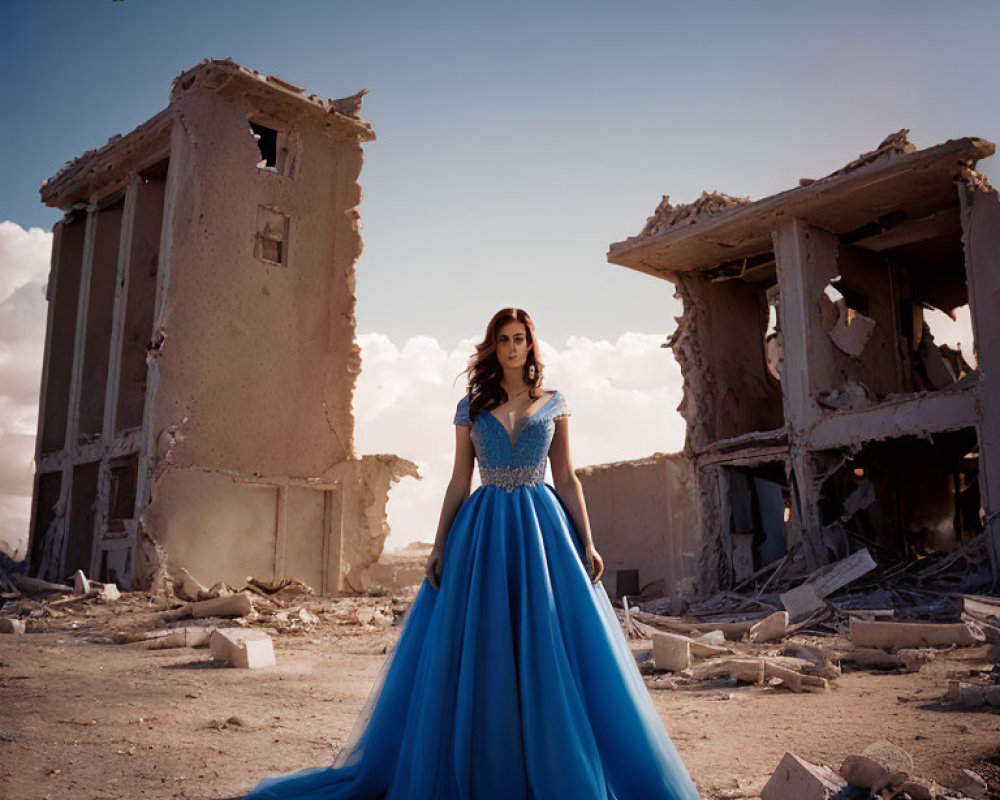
82, 719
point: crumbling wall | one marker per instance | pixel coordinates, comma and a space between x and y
691, 344
367, 481
224, 440
980, 208
258, 356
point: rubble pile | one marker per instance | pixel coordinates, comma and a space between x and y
237, 626
883, 770
800, 633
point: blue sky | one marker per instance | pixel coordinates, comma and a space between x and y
517, 140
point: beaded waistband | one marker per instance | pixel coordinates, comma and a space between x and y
511, 478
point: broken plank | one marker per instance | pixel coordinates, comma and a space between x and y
897, 635
807, 597
731, 630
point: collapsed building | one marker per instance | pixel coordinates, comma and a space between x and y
200, 354
822, 416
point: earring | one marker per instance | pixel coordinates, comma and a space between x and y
531, 372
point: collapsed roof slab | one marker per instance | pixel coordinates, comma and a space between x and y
917, 183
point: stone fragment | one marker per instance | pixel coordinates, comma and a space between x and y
191, 636
873, 658
80, 583
797, 779
713, 638
10, 625
992, 695
671, 651
971, 784
864, 772
746, 670
917, 790
914, 659
242, 647
881, 764
973, 695
770, 628
109, 592
306, 618
190, 588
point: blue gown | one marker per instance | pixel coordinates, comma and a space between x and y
513, 680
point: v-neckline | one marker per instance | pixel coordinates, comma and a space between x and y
527, 419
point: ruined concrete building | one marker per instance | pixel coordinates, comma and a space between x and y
822, 415
200, 355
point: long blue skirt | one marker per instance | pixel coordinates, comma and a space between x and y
513, 680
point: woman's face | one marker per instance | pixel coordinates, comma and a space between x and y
512, 344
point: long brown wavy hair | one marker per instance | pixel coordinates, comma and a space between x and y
484, 371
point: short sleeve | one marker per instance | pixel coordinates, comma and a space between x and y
462, 411
561, 408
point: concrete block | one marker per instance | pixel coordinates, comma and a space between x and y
797, 779
109, 592
746, 670
971, 784
973, 695
918, 791
899, 635
881, 764
770, 628
9, 625
873, 658
242, 647
913, 659
671, 651
80, 583
865, 772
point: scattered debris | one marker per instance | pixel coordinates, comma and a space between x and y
881, 770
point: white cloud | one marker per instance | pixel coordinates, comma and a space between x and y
24, 268
622, 396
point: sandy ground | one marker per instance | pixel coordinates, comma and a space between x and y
79, 719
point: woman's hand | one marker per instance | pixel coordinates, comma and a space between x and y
595, 562
433, 568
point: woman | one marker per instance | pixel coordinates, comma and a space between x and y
511, 678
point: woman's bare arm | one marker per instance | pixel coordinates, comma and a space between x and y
456, 494
570, 491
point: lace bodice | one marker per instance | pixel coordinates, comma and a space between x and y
518, 462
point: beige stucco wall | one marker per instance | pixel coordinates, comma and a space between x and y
642, 515
257, 367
